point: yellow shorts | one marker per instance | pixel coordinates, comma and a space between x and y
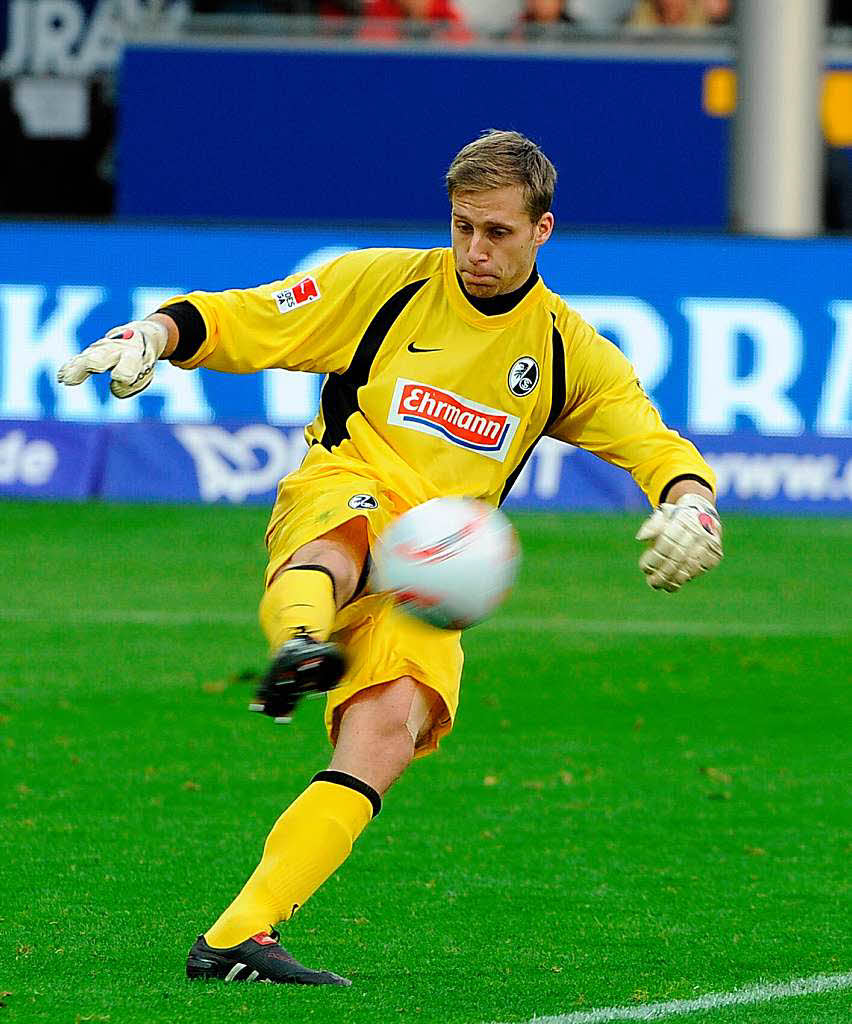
382, 643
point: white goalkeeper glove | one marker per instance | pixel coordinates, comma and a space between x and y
686, 541
130, 352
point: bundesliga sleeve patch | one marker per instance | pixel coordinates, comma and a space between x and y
300, 294
453, 418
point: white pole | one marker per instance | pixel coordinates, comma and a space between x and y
778, 148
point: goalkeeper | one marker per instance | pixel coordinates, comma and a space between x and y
444, 368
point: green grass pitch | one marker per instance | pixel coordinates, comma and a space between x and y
645, 797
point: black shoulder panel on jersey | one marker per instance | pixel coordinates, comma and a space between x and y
557, 399
339, 398
557, 404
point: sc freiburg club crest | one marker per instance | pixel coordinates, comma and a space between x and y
523, 376
363, 501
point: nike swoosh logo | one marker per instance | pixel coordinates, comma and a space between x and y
413, 348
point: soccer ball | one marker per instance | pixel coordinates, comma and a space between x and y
449, 561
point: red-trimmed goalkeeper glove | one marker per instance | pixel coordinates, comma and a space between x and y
686, 540
129, 352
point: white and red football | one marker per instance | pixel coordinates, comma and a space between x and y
449, 561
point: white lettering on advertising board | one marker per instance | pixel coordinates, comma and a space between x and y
40, 328
60, 37
27, 462
717, 393
250, 460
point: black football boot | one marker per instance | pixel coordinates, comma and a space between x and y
260, 958
301, 666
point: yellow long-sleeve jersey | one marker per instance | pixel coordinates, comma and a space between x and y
431, 395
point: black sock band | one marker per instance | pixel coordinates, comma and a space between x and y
343, 779
314, 568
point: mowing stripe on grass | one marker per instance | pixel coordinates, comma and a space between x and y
554, 624
711, 1001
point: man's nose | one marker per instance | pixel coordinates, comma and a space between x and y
478, 250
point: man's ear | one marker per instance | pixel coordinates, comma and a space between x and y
544, 229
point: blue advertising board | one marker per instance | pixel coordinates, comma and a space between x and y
744, 344
348, 133
239, 463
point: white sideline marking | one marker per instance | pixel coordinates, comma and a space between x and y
763, 993
557, 624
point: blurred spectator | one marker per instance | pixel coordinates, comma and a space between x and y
690, 13
420, 10
388, 12
324, 8
603, 14
599, 14
545, 11
490, 17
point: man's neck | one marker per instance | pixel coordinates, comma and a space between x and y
500, 303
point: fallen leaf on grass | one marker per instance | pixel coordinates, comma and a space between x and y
248, 675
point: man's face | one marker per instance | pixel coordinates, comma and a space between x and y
494, 241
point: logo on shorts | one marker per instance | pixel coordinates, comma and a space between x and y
300, 294
523, 376
468, 424
363, 501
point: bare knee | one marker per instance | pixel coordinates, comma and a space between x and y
342, 551
376, 738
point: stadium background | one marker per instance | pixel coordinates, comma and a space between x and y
745, 344
151, 150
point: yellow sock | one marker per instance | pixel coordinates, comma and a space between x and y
300, 598
307, 844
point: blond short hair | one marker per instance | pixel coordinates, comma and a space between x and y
497, 159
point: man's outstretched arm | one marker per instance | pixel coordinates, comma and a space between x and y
608, 413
